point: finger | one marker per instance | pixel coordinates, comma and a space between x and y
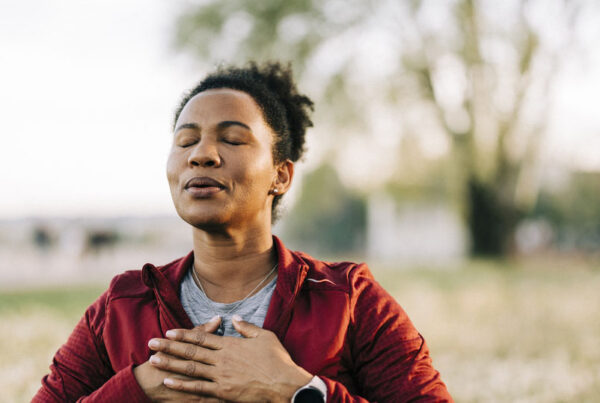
183, 350
191, 369
244, 328
210, 327
183, 396
196, 336
205, 388
179, 396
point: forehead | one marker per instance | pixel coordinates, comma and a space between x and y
222, 104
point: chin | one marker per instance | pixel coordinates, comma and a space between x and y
203, 219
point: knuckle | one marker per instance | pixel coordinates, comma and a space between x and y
167, 348
200, 337
189, 352
190, 369
198, 388
164, 359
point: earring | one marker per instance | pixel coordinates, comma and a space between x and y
275, 191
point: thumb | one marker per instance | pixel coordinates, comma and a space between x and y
211, 326
244, 328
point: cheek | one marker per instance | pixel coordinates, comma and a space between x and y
260, 181
259, 172
173, 176
172, 171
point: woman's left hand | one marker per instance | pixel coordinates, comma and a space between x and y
254, 368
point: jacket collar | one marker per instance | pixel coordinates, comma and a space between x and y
291, 271
165, 281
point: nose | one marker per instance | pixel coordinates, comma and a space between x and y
205, 154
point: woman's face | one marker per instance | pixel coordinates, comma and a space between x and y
220, 168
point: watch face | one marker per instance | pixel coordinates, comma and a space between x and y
309, 395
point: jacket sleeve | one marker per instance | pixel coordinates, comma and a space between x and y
391, 360
81, 370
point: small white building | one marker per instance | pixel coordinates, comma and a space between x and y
411, 232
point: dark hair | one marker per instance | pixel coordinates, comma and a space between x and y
273, 88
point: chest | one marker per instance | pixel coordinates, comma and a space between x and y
318, 337
315, 333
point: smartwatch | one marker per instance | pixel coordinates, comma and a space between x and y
313, 392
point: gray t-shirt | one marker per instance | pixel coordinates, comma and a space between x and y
201, 310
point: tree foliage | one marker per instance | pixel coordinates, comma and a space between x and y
328, 218
478, 73
573, 211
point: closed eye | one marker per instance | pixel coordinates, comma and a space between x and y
187, 144
233, 142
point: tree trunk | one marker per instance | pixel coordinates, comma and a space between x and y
492, 221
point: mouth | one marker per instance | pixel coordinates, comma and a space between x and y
203, 187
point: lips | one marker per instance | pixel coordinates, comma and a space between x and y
203, 187
203, 182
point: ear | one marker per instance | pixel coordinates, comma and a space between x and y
284, 175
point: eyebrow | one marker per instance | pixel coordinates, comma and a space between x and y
222, 125
187, 126
227, 123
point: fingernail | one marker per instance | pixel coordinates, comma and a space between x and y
155, 360
215, 318
236, 318
153, 343
169, 381
171, 333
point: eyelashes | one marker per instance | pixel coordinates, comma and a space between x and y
233, 142
186, 144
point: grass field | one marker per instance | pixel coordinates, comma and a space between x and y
498, 333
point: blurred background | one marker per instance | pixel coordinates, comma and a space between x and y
456, 149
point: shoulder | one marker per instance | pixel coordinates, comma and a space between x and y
370, 306
342, 276
138, 283
126, 287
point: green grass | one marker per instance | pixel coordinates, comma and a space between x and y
35, 323
510, 331
497, 331
68, 302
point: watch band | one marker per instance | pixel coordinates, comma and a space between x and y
314, 391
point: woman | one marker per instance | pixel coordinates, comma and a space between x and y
242, 318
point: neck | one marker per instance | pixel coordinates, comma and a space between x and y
231, 264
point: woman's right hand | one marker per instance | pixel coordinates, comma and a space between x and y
151, 378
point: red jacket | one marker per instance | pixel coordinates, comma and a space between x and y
334, 319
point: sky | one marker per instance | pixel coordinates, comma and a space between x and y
87, 93
88, 89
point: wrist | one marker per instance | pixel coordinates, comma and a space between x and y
313, 392
290, 383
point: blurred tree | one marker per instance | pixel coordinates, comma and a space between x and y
328, 218
574, 212
479, 72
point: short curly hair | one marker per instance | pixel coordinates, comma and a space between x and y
273, 88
